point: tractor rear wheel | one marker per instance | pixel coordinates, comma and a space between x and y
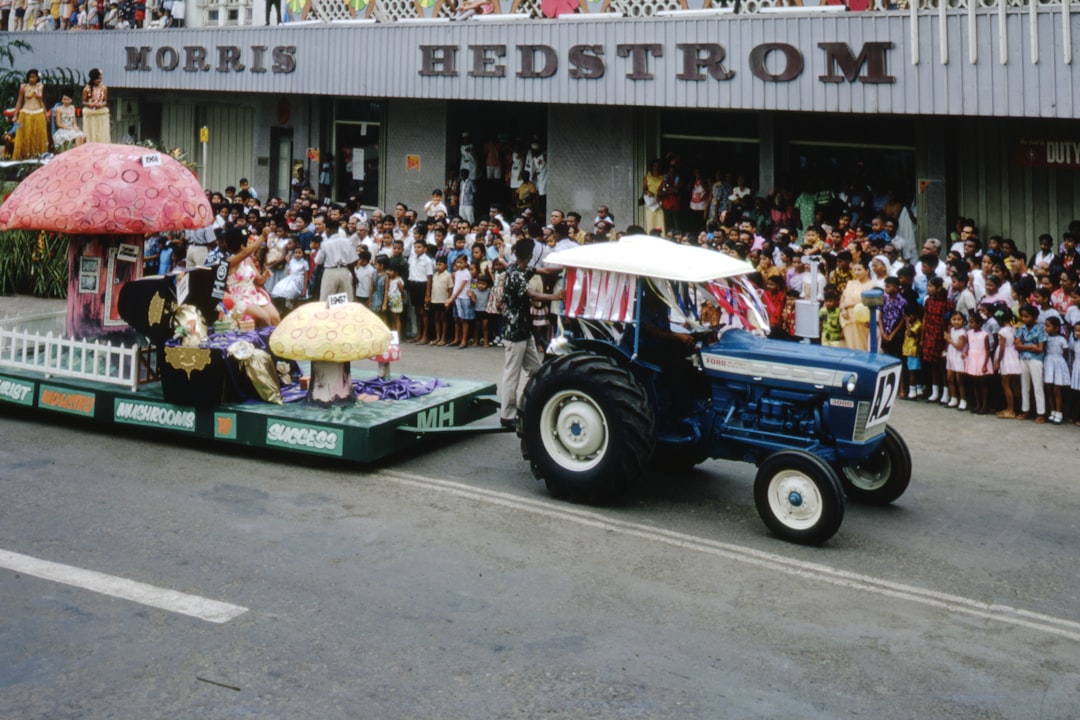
586, 427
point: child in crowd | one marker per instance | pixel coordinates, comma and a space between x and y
955, 354
394, 299
365, 275
1055, 367
442, 284
891, 319
290, 287
911, 370
462, 302
979, 364
935, 330
1072, 312
1007, 361
1074, 382
1031, 345
829, 316
458, 251
378, 288
497, 269
483, 294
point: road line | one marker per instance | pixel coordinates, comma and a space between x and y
1006, 614
162, 598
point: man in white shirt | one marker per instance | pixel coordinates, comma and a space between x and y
1045, 256
337, 255
421, 270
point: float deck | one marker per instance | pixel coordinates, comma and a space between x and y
364, 432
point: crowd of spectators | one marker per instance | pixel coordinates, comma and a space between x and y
980, 325
49, 15
430, 274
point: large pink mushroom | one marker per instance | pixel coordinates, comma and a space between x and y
105, 196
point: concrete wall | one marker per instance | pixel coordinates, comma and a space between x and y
591, 153
1004, 197
414, 127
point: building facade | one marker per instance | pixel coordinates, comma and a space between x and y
962, 111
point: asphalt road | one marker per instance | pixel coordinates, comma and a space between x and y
446, 584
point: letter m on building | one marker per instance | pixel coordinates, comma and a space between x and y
841, 64
137, 58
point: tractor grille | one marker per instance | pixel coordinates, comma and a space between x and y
860, 433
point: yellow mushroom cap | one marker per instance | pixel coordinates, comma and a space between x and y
341, 334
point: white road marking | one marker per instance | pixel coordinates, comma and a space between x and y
171, 600
1006, 614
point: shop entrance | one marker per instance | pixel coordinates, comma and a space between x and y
706, 148
357, 150
869, 159
868, 163
498, 143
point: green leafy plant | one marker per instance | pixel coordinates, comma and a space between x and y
33, 262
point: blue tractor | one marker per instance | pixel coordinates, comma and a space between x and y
623, 388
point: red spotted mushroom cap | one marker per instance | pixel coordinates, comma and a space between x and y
97, 189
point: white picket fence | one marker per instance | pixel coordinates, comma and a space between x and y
59, 356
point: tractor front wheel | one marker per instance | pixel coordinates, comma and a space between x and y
799, 497
883, 476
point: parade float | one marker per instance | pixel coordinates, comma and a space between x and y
162, 352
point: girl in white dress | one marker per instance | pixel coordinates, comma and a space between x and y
1055, 368
67, 127
291, 286
1074, 384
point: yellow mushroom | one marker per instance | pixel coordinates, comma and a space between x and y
330, 338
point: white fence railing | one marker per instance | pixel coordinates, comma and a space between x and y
58, 356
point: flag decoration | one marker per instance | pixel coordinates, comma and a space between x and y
600, 295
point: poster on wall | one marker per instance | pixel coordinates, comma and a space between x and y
358, 163
412, 163
128, 253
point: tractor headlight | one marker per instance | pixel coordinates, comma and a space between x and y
850, 382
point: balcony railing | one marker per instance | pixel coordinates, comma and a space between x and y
232, 13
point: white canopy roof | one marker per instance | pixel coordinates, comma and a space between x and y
648, 256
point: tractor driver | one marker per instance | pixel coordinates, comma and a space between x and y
680, 382
659, 344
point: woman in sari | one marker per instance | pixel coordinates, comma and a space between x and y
854, 316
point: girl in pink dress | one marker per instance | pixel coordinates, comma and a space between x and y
956, 338
1007, 362
978, 364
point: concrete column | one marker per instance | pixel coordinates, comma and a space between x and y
766, 178
931, 196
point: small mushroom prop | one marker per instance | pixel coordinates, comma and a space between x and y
330, 338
